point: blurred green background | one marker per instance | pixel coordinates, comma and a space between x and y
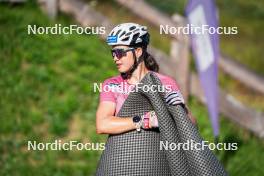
46, 87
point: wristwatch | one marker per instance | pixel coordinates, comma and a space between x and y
137, 122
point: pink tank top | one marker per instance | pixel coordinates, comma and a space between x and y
116, 89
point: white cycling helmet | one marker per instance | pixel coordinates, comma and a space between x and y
130, 34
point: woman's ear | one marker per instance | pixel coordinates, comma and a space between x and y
138, 52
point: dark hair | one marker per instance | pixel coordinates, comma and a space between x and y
150, 62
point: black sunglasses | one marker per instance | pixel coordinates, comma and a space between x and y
120, 52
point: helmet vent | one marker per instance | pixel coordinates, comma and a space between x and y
122, 34
143, 29
135, 37
132, 27
118, 32
125, 39
135, 31
129, 33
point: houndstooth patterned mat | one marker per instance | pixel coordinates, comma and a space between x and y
139, 154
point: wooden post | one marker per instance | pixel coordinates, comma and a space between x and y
180, 57
50, 6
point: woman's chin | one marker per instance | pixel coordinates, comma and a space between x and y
122, 70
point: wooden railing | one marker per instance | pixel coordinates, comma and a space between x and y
229, 106
237, 71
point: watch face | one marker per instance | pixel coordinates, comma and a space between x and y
136, 119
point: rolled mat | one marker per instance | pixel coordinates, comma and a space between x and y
144, 153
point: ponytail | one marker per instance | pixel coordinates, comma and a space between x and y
150, 62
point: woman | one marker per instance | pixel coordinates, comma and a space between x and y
129, 43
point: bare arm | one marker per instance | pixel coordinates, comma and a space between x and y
106, 123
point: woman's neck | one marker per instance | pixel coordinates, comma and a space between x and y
138, 74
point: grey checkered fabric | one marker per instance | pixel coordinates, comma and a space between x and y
140, 154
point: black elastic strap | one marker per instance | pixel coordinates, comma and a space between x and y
135, 65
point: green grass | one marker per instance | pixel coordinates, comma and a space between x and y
46, 94
46, 82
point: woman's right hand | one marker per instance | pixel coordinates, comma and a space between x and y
149, 120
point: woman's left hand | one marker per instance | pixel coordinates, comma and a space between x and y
175, 98
150, 120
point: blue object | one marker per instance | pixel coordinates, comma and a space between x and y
112, 39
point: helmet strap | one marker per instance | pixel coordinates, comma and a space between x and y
137, 61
